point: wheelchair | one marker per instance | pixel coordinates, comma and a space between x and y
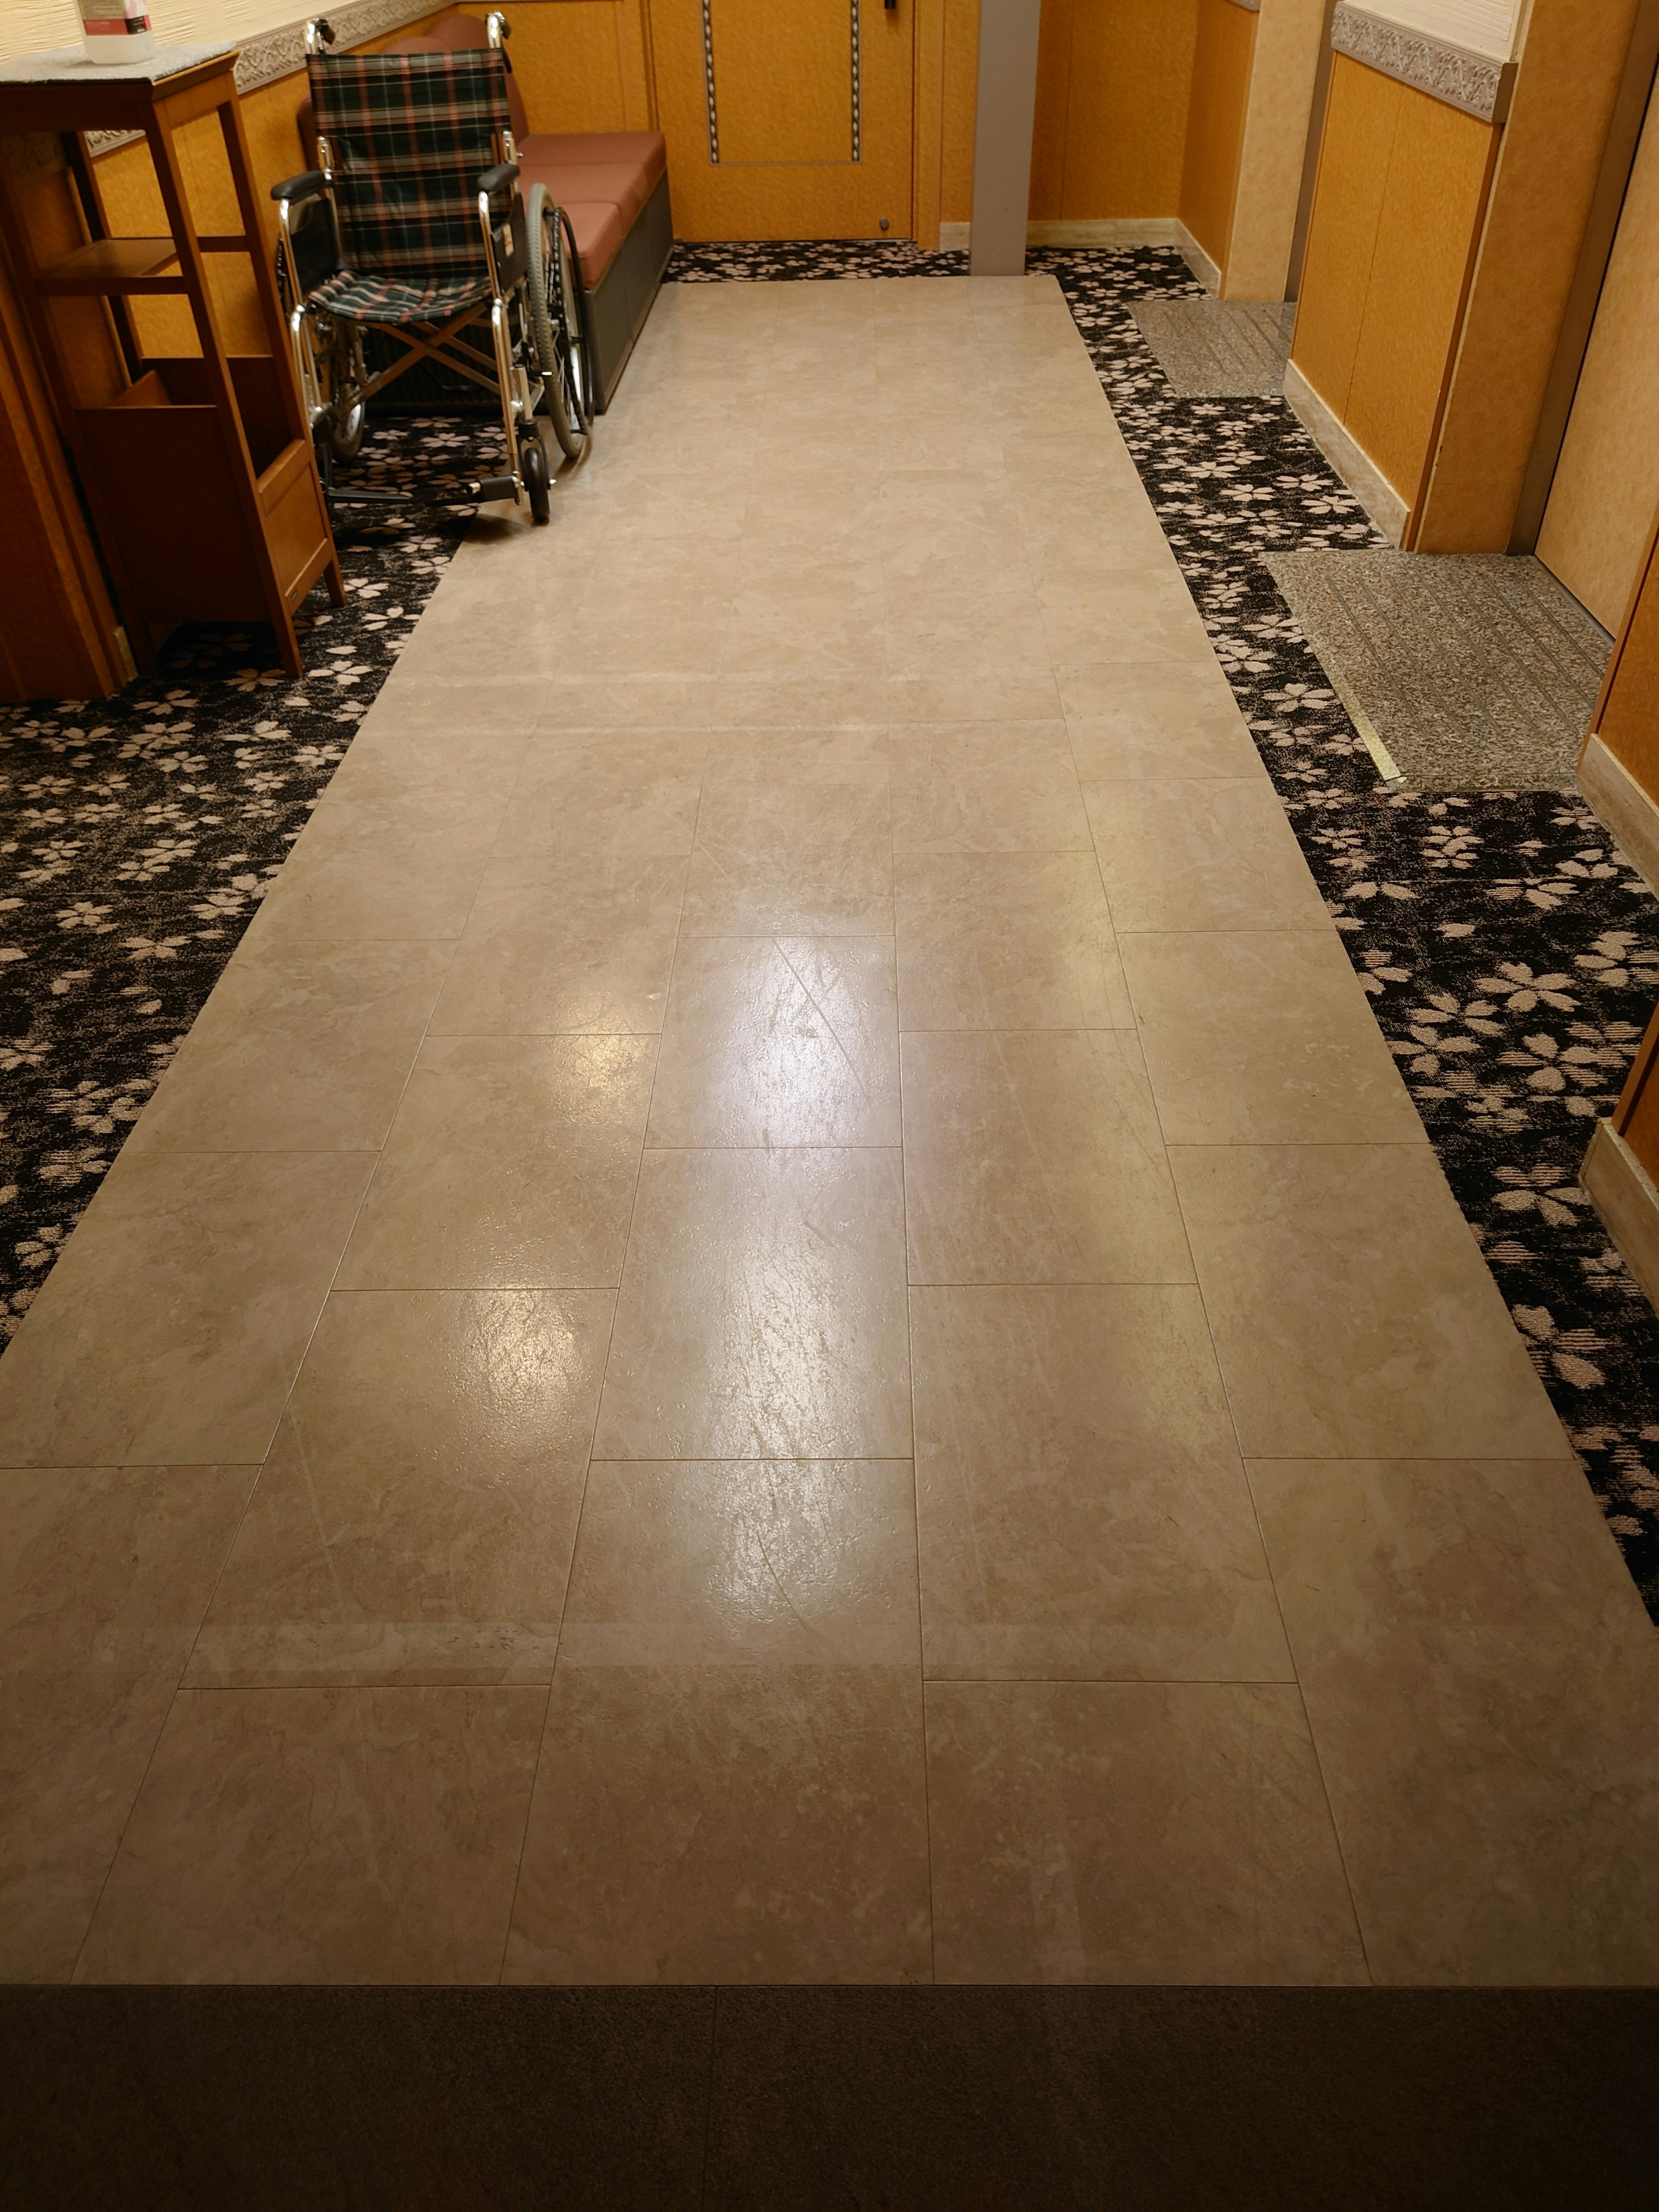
413, 225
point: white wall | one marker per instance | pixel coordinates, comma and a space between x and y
1488, 26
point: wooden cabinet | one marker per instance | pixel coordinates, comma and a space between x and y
199, 474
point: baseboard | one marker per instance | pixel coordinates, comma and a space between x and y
1106, 233
1623, 1193
1622, 807
1350, 459
1207, 272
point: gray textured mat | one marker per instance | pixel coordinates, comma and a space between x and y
1218, 348
1478, 670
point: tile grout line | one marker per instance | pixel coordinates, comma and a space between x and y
1244, 1463
599, 1398
911, 1385
378, 1154
1266, 1556
276, 1428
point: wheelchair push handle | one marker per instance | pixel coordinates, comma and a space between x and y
320, 32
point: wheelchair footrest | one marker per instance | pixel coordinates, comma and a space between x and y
493, 487
344, 495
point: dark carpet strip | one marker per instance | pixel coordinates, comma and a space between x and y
828, 2101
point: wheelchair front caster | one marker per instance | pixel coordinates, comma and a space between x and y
537, 478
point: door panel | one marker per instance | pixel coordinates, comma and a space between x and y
786, 118
1605, 491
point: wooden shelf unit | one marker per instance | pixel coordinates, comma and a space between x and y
200, 476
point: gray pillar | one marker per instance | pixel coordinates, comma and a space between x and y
1002, 135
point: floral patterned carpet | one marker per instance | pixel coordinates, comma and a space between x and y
1512, 953
138, 834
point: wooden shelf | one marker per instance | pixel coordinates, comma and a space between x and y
114, 266
199, 472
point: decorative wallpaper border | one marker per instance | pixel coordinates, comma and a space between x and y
273, 54
1475, 82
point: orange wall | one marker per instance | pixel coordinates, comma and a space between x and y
1397, 214
1114, 86
580, 66
1541, 194
1628, 723
1215, 124
960, 100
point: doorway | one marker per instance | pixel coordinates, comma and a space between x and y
786, 118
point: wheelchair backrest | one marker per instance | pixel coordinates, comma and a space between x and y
408, 136
457, 33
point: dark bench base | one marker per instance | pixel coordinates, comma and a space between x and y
618, 305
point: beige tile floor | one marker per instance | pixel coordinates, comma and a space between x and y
784, 1320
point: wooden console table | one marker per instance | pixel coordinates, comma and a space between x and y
200, 476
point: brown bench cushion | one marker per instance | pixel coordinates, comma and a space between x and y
644, 150
599, 231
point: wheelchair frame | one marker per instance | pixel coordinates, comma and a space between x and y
523, 381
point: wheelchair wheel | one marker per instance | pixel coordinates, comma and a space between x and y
556, 320
538, 478
345, 439
347, 419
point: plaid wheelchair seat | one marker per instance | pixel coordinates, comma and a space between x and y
409, 136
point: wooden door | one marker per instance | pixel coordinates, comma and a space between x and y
1607, 482
786, 118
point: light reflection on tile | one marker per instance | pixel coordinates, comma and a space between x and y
511, 1165
761, 1562
415, 1520
779, 1040
784, 729
761, 1313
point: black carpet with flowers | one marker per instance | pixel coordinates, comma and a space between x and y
139, 832
1512, 953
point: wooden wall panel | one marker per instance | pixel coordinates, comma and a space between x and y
1223, 59
1290, 37
1541, 195
1628, 721
1607, 484
763, 192
1126, 120
1360, 124
927, 129
1054, 93
574, 62
1434, 204
1636, 1119
960, 101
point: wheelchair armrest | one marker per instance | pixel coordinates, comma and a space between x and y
497, 179
300, 188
